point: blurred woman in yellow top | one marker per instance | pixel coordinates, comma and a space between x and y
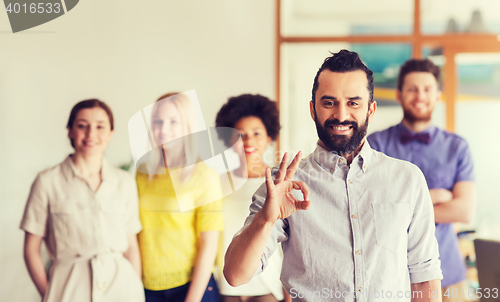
178, 247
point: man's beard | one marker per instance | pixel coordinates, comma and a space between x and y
340, 144
412, 118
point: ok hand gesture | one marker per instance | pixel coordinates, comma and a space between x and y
280, 203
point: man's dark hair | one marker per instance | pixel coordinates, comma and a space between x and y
246, 105
417, 65
344, 61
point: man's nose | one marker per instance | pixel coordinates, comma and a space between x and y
342, 113
421, 95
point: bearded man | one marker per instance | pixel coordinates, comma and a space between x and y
443, 157
366, 232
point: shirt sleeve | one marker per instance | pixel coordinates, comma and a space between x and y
134, 225
36, 213
278, 234
423, 254
465, 165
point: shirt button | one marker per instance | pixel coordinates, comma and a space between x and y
358, 252
341, 160
364, 167
354, 216
350, 181
359, 289
331, 170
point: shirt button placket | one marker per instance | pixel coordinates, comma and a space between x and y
357, 245
98, 227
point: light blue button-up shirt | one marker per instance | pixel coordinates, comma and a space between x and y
368, 234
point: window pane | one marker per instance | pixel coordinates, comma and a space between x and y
346, 18
451, 16
477, 111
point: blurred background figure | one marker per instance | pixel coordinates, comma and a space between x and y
178, 247
256, 118
443, 157
86, 212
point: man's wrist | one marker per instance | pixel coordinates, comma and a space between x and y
262, 221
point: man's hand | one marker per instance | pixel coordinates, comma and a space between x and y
280, 203
440, 195
243, 256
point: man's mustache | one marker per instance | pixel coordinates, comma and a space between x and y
336, 122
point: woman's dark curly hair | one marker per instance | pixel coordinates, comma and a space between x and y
246, 105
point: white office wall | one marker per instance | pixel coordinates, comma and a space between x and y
126, 53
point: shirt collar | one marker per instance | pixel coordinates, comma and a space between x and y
431, 130
330, 160
70, 170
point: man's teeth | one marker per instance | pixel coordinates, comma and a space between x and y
341, 128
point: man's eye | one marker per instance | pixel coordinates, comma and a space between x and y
328, 103
354, 104
80, 126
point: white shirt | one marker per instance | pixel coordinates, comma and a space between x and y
369, 230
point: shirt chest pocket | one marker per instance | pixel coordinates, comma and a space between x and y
391, 225
441, 179
63, 215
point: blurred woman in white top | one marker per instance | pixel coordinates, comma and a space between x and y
256, 118
86, 213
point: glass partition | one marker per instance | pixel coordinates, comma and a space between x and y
459, 16
346, 18
477, 110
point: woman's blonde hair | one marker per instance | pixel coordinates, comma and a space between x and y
188, 123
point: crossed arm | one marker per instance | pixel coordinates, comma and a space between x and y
457, 205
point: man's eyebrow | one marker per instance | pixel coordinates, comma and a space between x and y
355, 98
328, 97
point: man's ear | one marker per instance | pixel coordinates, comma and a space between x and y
311, 110
398, 96
371, 110
439, 96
